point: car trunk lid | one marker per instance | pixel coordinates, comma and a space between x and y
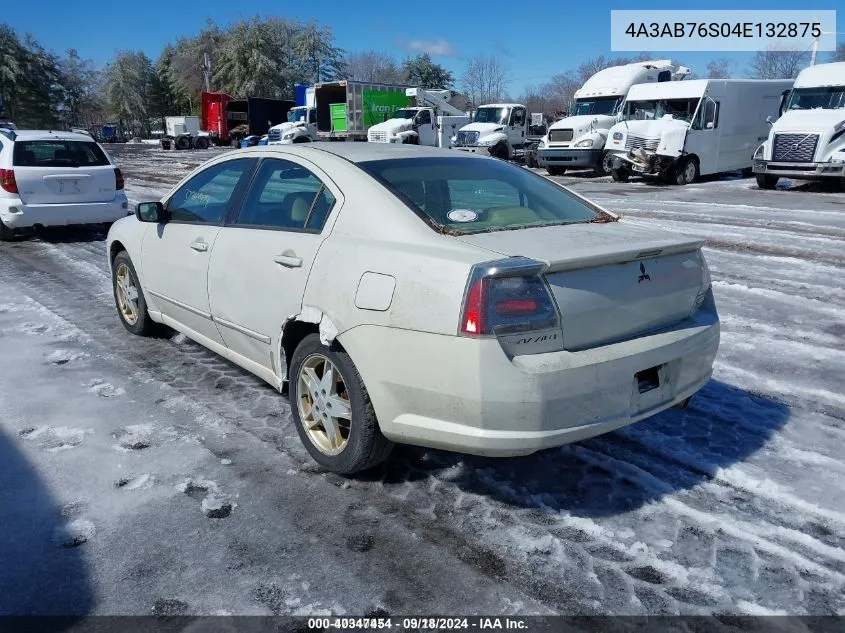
610, 281
57, 171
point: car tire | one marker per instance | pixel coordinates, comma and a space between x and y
605, 165
131, 310
554, 170
355, 443
302, 139
6, 234
620, 175
686, 171
765, 181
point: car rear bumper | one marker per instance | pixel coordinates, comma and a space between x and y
806, 171
463, 394
570, 157
17, 215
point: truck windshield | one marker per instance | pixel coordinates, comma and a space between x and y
831, 98
599, 105
499, 116
404, 114
296, 114
462, 195
680, 109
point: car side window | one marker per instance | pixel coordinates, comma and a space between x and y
205, 198
518, 117
285, 195
424, 117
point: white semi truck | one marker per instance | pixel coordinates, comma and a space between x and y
808, 141
577, 141
681, 130
497, 129
432, 121
301, 126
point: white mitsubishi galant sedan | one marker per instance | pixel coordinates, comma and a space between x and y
421, 296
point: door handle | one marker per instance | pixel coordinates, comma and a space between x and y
289, 261
199, 246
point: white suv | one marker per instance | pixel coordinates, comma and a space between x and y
56, 179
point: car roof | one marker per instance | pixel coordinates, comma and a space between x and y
47, 135
363, 152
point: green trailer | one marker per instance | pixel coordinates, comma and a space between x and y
347, 109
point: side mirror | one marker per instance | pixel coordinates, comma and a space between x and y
151, 212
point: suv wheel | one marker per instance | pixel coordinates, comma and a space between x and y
332, 411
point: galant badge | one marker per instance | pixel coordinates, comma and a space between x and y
643, 274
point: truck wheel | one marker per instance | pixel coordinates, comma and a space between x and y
302, 139
605, 165
500, 151
765, 181
686, 171
201, 142
183, 142
554, 170
620, 175
332, 411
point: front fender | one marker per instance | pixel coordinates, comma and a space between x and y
491, 140
596, 137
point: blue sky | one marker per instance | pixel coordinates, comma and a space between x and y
537, 38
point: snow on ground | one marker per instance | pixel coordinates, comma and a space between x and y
161, 478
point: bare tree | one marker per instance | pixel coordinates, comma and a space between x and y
720, 68
839, 53
485, 79
777, 63
373, 66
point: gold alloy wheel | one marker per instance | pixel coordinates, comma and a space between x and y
324, 408
127, 294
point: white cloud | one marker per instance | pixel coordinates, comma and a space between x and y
438, 47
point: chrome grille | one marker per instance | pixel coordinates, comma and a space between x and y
795, 148
274, 135
376, 136
467, 138
641, 142
560, 136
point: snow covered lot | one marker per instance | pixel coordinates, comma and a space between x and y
148, 475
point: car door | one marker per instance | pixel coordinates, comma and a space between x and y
261, 260
516, 135
175, 256
704, 137
425, 128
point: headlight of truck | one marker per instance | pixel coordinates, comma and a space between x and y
587, 142
617, 136
290, 136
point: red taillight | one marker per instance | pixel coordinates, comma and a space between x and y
118, 179
516, 307
7, 181
473, 321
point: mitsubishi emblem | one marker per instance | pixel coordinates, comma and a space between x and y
643, 274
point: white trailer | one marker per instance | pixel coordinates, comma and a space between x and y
301, 126
432, 121
680, 130
577, 141
808, 141
183, 132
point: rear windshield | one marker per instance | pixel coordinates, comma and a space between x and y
54, 153
468, 195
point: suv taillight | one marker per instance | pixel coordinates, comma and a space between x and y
507, 296
7, 181
118, 178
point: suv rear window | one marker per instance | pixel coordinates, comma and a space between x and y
468, 195
55, 153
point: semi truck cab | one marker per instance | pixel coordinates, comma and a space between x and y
497, 129
808, 141
301, 127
